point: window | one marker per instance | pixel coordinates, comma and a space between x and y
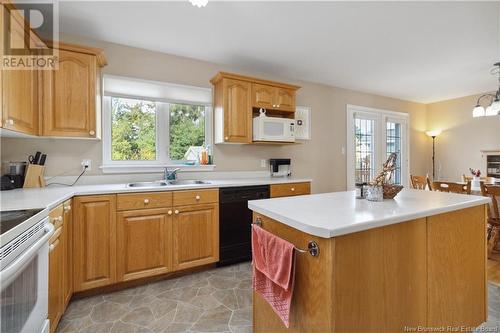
146, 133
372, 135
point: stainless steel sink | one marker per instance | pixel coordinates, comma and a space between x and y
169, 183
148, 184
188, 182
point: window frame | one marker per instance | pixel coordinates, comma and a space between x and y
381, 118
162, 139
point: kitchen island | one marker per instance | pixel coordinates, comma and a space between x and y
415, 263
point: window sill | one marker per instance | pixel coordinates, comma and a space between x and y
154, 168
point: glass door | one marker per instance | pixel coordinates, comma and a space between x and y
372, 135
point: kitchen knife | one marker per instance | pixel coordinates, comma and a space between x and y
36, 159
42, 159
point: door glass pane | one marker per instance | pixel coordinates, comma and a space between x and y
365, 149
393, 145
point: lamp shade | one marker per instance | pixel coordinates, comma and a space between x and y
433, 133
478, 111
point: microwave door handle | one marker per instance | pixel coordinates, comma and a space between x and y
9, 273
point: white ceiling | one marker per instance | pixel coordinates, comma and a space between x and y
423, 52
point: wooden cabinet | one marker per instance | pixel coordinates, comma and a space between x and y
196, 235
285, 99
56, 268
72, 94
263, 96
144, 242
67, 237
269, 97
144, 200
194, 197
56, 306
94, 241
232, 111
292, 189
19, 91
238, 98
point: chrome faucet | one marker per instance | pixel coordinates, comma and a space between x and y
171, 175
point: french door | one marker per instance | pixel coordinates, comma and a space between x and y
372, 135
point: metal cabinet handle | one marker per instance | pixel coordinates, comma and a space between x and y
197, 197
67, 208
169, 212
226, 138
176, 211
292, 189
146, 201
53, 245
92, 132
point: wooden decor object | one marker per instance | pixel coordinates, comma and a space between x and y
384, 177
34, 176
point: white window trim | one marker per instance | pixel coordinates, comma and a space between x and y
162, 141
381, 116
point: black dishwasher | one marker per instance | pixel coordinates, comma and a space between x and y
235, 220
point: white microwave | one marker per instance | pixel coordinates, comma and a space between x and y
273, 129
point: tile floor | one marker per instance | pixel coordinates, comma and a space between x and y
218, 300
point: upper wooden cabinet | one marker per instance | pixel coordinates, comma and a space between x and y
72, 93
269, 97
291, 189
237, 98
20, 95
94, 241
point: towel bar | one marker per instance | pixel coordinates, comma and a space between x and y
312, 246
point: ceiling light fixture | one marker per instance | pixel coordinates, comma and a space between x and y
493, 109
199, 3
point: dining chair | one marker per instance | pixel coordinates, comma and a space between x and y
452, 187
493, 192
420, 182
487, 180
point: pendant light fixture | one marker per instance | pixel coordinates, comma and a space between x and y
199, 3
493, 109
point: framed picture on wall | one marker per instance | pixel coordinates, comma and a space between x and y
303, 123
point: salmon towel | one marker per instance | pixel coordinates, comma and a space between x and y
273, 270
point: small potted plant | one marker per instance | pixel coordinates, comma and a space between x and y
476, 174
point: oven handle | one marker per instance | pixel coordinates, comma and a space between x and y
10, 272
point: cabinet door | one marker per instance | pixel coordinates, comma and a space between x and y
55, 309
237, 111
94, 241
263, 96
69, 96
67, 237
20, 101
144, 242
196, 235
285, 99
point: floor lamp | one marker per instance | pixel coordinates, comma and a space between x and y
433, 135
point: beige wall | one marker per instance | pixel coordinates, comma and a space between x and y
320, 158
458, 147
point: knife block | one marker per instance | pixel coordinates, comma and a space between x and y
34, 176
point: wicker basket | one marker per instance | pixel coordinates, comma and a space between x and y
391, 190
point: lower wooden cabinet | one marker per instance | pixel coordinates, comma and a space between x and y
56, 269
144, 243
94, 241
67, 236
196, 235
291, 189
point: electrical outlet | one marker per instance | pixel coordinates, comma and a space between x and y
263, 163
88, 164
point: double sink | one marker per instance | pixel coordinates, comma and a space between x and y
168, 183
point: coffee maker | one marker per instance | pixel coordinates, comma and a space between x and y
280, 167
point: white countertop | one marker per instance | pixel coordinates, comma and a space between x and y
50, 197
333, 214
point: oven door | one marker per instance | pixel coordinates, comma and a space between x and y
24, 289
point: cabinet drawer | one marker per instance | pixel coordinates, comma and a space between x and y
56, 216
144, 200
193, 197
286, 190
